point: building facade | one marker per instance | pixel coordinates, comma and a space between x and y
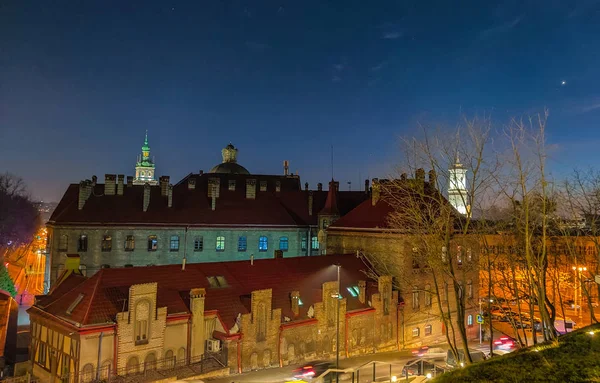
366, 230
227, 214
247, 314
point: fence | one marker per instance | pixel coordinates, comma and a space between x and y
149, 370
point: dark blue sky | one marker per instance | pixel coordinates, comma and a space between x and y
80, 82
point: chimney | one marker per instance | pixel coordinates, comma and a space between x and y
109, 184
85, 189
170, 196
432, 178
403, 177
120, 179
146, 196
164, 185
375, 192
295, 296
306, 186
286, 168
362, 291
129, 181
420, 175
94, 181
366, 186
201, 172
198, 336
250, 189
320, 186
191, 183
310, 202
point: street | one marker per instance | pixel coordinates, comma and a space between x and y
397, 360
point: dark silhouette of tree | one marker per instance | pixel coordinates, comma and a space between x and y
19, 218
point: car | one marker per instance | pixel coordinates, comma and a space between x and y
433, 353
505, 343
420, 350
311, 370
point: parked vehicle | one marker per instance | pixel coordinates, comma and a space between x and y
505, 343
564, 326
433, 353
311, 370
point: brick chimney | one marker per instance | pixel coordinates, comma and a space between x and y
420, 175
197, 303
146, 196
295, 297
375, 192
94, 181
85, 190
191, 183
433, 178
362, 291
310, 203
164, 185
306, 186
170, 196
403, 177
320, 186
120, 179
129, 181
286, 168
366, 186
250, 189
110, 183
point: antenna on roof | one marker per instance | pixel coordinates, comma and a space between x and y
332, 161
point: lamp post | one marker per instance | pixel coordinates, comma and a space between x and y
337, 296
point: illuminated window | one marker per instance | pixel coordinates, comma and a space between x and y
152, 243
198, 244
428, 296
263, 243
82, 244
174, 243
469, 289
303, 244
106, 243
129, 243
242, 243
263, 185
278, 186
283, 243
459, 256
231, 185
416, 332
428, 329
314, 243
353, 290
220, 243
470, 320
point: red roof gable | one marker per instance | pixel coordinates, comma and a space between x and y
331, 207
106, 292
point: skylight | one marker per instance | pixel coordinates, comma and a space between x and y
217, 281
353, 290
74, 304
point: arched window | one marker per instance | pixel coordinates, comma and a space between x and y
181, 361
263, 243
133, 365
169, 359
415, 298
470, 320
63, 243
283, 243
87, 373
150, 362
106, 369
142, 319
261, 322
469, 289
82, 244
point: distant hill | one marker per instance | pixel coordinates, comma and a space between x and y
576, 358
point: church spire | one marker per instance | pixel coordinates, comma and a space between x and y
144, 168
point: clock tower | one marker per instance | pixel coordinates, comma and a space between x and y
144, 167
458, 195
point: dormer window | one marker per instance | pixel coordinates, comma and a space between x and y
263, 186
353, 290
231, 186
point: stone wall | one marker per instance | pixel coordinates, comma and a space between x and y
299, 343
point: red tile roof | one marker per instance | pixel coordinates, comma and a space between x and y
106, 292
288, 208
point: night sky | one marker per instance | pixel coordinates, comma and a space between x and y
80, 82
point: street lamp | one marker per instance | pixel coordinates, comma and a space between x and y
338, 296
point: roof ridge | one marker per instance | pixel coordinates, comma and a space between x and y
66, 292
87, 312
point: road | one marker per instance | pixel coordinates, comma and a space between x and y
396, 360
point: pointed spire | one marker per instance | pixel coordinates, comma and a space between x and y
331, 207
146, 138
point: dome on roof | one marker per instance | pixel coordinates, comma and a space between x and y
229, 168
229, 165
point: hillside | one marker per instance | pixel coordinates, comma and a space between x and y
576, 358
